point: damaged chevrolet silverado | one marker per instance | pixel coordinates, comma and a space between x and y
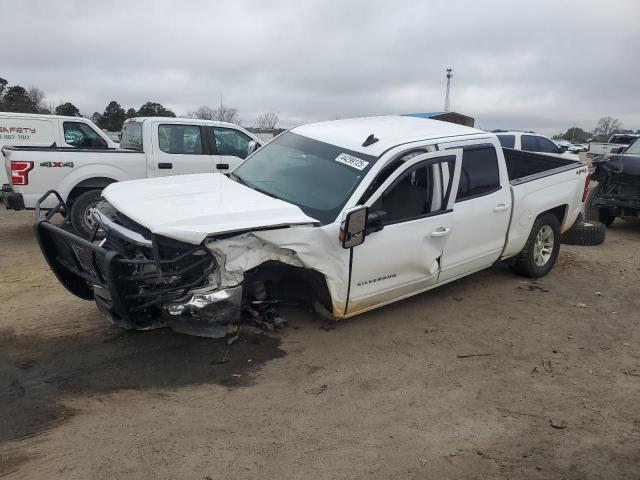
342, 216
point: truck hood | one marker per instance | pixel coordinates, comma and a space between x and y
191, 207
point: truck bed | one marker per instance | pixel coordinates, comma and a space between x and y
523, 166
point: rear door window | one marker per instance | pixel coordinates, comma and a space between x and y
507, 141
480, 174
81, 135
180, 139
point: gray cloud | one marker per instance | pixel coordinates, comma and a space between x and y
544, 65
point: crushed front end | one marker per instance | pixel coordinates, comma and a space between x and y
140, 280
618, 178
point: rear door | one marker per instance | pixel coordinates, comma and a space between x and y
181, 149
403, 257
482, 208
231, 146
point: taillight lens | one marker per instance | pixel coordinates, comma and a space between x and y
20, 172
586, 188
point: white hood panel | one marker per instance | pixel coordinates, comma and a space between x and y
191, 207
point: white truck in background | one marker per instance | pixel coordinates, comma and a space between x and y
149, 147
532, 142
616, 144
36, 130
343, 216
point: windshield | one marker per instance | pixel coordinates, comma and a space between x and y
622, 139
634, 148
317, 177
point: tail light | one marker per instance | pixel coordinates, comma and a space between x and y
586, 188
20, 172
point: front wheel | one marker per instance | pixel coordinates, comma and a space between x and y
82, 212
540, 253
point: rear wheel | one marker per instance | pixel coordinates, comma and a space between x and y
540, 253
82, 212
593, 212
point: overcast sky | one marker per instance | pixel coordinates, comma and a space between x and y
543, 65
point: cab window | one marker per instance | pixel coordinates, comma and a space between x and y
81, 135
231, 142
420, 191
547, 146
180, 139
507, 141
529, 143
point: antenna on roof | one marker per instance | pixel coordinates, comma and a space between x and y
371, 139
447, 107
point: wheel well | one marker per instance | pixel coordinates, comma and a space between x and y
87, 185
559, 212
289, 283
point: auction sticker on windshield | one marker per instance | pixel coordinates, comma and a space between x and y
352, 161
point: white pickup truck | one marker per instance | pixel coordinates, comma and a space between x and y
38, 130
616, 144
344, 216
150, 147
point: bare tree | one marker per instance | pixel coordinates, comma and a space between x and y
37, 97
204, 113
227, 114
267, 121
606, 126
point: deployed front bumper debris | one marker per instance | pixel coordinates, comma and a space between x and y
141, 281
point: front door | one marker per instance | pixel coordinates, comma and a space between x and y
404, 257
181, 149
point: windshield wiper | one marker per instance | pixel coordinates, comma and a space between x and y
242, 181
262, 191
239, 179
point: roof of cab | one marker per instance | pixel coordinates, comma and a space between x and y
390, 132
191, 121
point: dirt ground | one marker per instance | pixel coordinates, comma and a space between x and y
492, 377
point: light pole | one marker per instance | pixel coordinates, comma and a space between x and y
447, 106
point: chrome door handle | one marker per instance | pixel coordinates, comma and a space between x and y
501, 207
441, 232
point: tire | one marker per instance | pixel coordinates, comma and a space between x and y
528, 262
80, 218
587, 233
595, 213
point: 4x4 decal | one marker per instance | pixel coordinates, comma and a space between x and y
56, 164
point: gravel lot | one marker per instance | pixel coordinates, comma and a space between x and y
492, 376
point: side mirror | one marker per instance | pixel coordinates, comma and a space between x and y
252, 146
353, 228
562, 149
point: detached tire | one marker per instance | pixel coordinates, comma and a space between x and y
585, 233
595, 213
81, 212
540, 253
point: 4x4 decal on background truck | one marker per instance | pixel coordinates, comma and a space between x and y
56, 164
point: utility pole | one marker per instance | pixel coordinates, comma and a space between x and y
447, 106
